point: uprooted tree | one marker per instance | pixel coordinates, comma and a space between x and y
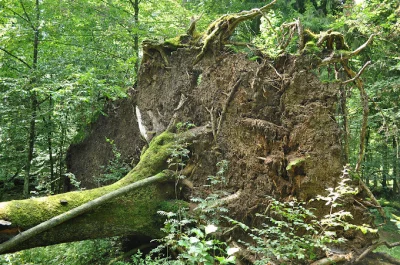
273, 119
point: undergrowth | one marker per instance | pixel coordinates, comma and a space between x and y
290, 232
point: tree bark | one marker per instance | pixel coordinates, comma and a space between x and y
133, 212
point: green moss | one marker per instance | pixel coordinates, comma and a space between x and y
141, 204
311, 47
311, 35
176, 42
153, 160
295, 163
344, 53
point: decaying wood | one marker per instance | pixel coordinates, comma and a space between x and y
212, 121
192, 27
340, 56
59, 219
228, 100
289, 30
272, 130
333, 259
374, 246
358, 74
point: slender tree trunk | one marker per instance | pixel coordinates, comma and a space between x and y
31, 144
135, 5
365, 175
34, 104
385, 165
49, 126
61, 184
395, 166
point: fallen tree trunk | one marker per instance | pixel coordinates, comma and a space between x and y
128, 206
274, 120
91, 205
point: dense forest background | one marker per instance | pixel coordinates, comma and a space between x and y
63, 62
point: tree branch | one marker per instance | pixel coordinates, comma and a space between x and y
228, 100
28, 19
335, 57
16, 57
374, 246
23, 236
358, 74
333, 259
17, 14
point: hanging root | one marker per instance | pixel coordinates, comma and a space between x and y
228, 100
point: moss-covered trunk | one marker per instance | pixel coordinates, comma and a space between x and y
133, 213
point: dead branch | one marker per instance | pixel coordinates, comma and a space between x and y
291, 30
373, 199
227, 199
362, 47
374, 246
228, 100
384, 257
192, 28
341, 56
181, 103
333, 259
358, 74
300, 32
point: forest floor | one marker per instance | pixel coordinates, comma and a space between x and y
389, 231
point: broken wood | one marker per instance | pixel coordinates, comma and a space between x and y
374, 246
333, 259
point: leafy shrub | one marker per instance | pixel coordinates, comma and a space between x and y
116, 168
291, 233
77, 253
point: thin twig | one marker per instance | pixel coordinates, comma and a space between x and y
16, 57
